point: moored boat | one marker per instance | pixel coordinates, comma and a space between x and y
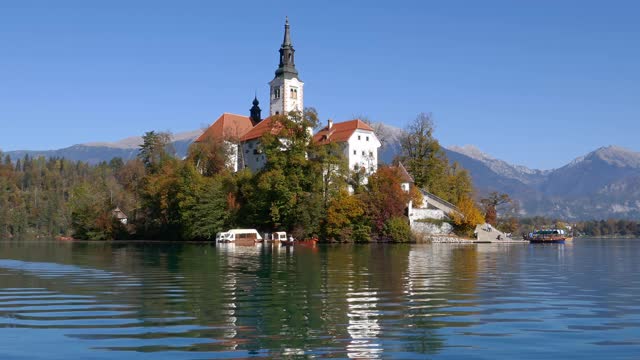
548, 236
287, 241
276, 237
239, 235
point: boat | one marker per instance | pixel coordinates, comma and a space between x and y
287, 241
275, 237
239, 235
548, 236
281, 237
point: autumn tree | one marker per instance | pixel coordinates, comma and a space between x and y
289, 190
469, 216
491, 204
384, 197
422, 155
346, 220
427, 162
210, 156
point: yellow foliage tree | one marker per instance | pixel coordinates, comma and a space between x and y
416, 196
345, 219
469, 216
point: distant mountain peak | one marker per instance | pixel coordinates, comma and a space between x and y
501, 167
471, 151
134, 142
613, 155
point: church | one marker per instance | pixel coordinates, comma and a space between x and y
242, 134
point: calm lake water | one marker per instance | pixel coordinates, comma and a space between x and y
63, 300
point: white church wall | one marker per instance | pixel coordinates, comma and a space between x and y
254, 158
362, 150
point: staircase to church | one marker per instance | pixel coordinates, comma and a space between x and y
439, 203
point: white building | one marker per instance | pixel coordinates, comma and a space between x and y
357, 140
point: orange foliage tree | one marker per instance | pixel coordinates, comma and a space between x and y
384, 197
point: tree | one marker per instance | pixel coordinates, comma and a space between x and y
469, 216
90, 213
288, 192
160, 216
424, 158
155, 149
203, 205
211, 156
345, 220
460, 184
384, 197
397, 229
491, 203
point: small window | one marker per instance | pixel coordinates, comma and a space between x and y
358, 137
362, 152
354, 152
371, 153
367, 138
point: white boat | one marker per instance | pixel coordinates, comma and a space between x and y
239, 235
278, 236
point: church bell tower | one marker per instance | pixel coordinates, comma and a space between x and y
286, 89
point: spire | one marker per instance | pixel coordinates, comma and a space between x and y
255, 111
287, 66
287, 33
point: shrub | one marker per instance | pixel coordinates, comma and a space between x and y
397, 229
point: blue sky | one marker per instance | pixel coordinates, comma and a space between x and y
536, 83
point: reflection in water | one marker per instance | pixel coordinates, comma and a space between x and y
98, 300
363, 325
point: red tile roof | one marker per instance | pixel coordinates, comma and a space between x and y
340, 132
228, 126
264, 126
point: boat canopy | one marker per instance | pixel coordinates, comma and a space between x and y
549, 232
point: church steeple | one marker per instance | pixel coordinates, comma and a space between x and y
255, 111
286, 89
287, 66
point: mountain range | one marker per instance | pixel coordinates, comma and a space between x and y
604, 183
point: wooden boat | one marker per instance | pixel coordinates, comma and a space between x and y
276, 237
548, 236
287, 241
547, 241
240, 235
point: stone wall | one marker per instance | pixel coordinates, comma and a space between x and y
424, 213
429, 228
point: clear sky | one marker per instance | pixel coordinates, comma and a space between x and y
536, 83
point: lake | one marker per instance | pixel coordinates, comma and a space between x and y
62, 300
